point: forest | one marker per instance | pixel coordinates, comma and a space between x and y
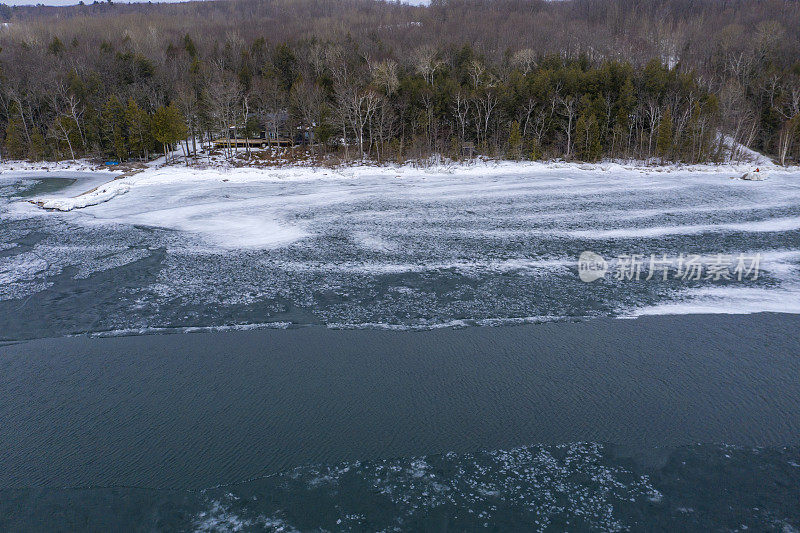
583, 80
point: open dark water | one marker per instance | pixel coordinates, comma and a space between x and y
366, 412
376, 430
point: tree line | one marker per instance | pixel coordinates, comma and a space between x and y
579, 80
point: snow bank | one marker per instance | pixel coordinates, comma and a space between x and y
744, 152
80, 165
96, 196
478, 169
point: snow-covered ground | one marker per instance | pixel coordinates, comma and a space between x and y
157, 173
10, 168
392, 246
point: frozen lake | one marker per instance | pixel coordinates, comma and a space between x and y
590, 425
389, 249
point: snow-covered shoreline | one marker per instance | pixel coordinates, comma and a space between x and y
435, 165
120, 182
79, 165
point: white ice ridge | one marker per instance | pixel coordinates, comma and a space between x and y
99, 195
729, 301
783, 265
757, 226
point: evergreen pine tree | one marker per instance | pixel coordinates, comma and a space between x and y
138, 125
56, 47
189, 46
14, 143
114, 135
168, 127
515, 141
37, 147
664, 138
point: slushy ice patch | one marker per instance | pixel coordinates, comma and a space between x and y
205, 249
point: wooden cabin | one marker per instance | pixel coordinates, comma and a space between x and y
271, 132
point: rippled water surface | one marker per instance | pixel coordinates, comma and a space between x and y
576, 487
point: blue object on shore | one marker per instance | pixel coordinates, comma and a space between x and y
112, 163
